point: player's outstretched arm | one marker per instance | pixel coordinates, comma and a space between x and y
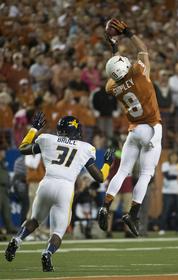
27, 146
113, 43
100, 175
142, 55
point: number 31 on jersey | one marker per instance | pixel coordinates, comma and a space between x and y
62, 157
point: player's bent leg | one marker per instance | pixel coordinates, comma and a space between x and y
129, 156
60, 216
130, 149
148, 161
149, 157
27, 228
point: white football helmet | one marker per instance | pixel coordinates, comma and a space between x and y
117, 67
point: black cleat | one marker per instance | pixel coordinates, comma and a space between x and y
46, 262
103, 218
131, 223
11, 250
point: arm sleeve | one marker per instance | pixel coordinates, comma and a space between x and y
89, 162
35, 149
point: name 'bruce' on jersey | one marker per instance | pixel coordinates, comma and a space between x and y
64, 158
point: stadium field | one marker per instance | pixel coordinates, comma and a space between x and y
151, 258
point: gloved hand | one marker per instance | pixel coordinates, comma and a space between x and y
38, 120
121, 27
109, 156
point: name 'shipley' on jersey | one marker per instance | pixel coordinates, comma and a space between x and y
137, 95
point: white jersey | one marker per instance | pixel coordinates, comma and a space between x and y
64, 158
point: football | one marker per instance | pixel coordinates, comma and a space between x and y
111, 31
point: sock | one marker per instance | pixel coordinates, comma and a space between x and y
51, 248
107, 201
134, 211
18, 240
23, 232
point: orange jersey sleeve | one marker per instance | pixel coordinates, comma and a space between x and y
138, 96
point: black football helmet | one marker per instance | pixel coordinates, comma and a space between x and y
69, 126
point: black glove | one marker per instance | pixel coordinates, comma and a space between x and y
113, 43
109, 156
38, 120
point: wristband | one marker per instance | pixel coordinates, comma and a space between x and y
127, 33
28, 139
105, 170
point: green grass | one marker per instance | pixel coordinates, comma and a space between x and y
98, 257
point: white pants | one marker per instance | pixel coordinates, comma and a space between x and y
136, 147
54, 197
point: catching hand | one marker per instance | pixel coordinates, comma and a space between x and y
109, 156
121, 27
38, 120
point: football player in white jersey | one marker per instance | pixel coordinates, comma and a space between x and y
64, 155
